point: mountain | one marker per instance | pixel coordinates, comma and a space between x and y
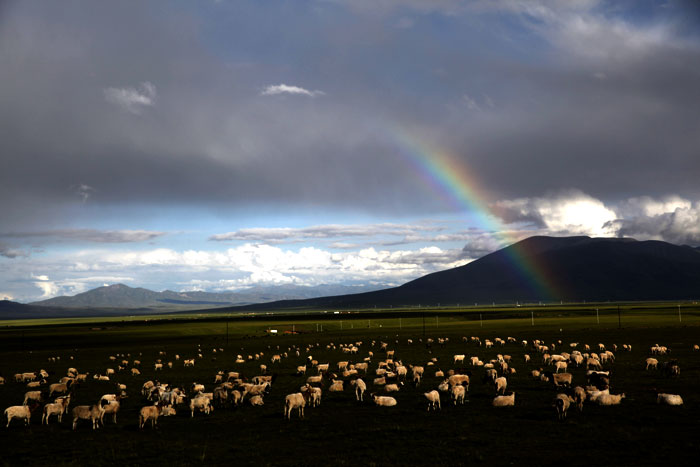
123, 296
546, 269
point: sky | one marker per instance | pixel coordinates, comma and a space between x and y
219, 145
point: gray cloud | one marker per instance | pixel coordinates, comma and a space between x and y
86, 235
9, 252
276, 235
565, 96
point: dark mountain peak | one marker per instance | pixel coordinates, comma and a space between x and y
544, 268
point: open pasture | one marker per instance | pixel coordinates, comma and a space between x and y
342, 430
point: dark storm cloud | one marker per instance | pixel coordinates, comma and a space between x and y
9, 252
172, 113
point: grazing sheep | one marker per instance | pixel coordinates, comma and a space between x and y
459, 380
149, 412
500, 384
259, 389
256, 401
458, 392
58, 408
393, 387
490, 375
89, 412
297, 401
609, 399
21, 412
316, 393
579, 397
336, 386
593, 363
110, 397
237, 397
669, 399
32, 396
135, 372
417, 374
384, 401
504, 401
314, 379
652, 363
112, 408
433, 399
674, 370
459, 359
200, 404
561, 404
379, 381
360, 388
560, 366
560, 379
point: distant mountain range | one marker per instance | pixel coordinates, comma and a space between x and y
546, 269
572, 269
123, 296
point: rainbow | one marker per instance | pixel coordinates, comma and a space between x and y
454, 183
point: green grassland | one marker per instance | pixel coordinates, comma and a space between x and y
343, 431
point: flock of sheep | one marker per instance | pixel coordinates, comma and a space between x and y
359, 365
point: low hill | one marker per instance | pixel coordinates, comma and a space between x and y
123, 296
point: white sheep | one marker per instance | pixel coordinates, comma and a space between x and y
58, 408
381, 381
314, 379
433, 399
384, 401
579, 397
93, 413
360, 388
609, 399
652, 363
669, 399
336, 386
297, 401
256, 401
149, 412
561, 404
458, 393
200, 404
504, 401
459, 380
112, 408
32, 396
500, 383
21, 412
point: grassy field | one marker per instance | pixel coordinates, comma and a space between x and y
343, 431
